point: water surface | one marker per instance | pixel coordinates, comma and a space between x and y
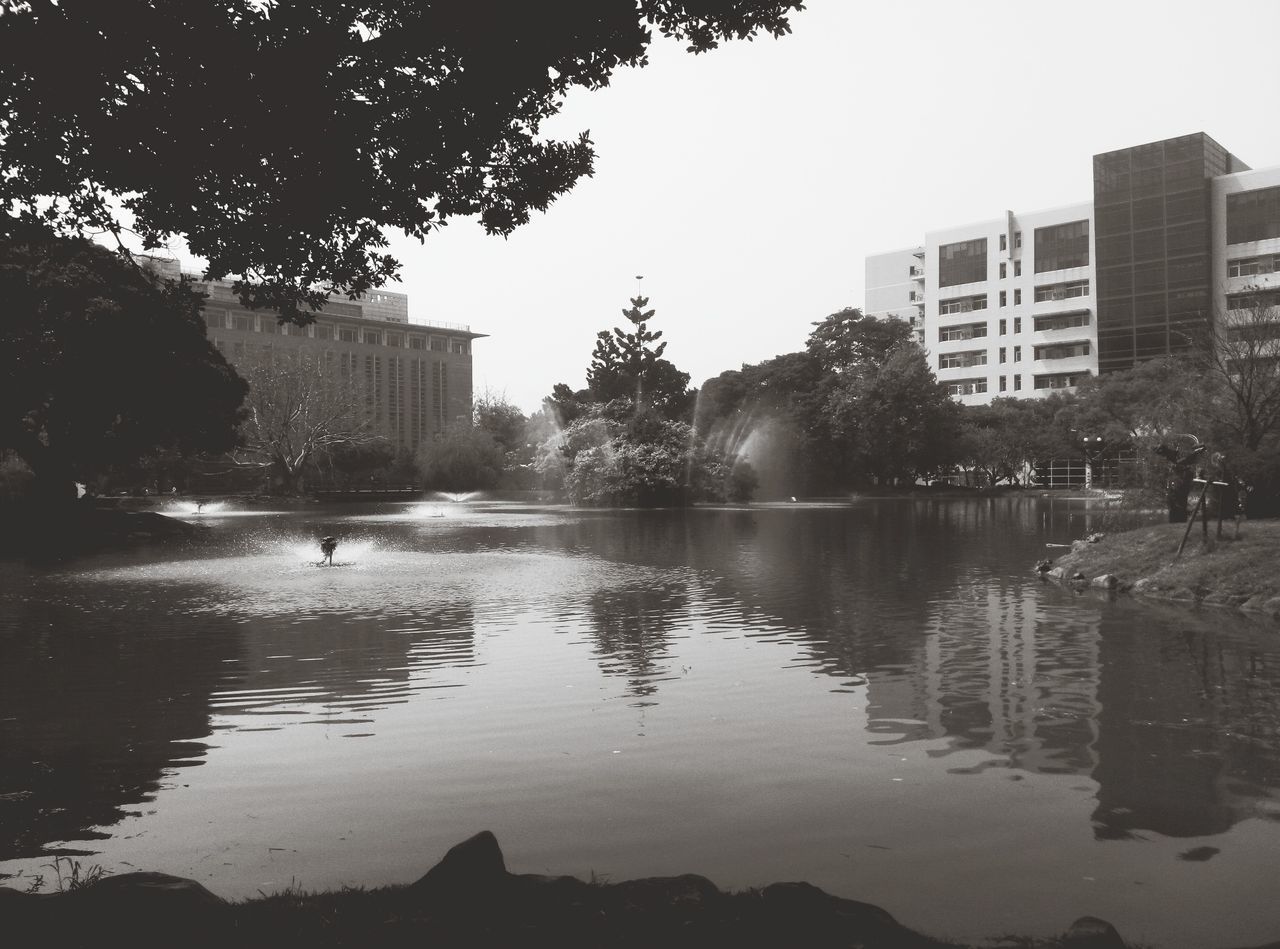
878, 698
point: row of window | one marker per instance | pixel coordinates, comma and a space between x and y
1063, 350
1053, 380
970, 357
964, 331
1253, 215
244, 322
965, 386
1062, 246
1052, 291
963, 304
1057, 247
1060, 380
1253, 300
1062, 321
1248, 266
1062, 291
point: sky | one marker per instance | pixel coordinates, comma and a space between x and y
747, 185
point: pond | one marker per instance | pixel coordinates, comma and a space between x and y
878, 697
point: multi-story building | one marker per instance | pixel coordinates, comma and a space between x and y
415, 379
1028, 303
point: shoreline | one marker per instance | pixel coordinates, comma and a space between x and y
470, 899
1239, 573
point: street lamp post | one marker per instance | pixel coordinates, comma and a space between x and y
1093, 445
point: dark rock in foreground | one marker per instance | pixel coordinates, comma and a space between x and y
470, 899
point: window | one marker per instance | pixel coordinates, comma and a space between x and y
1253, 215
1248, 266
1004, 241
1003, 354
1004, 326
1003, 269
962, 262
1062, 291
1063, 350
324, 331
1017, 354
458, 346
965, 386
1253, 300
1062, 321
1017, 239
1017, 296
215, 319
1017, 268
373, 337
1003, 385
1062, 246
417, 342
242, 321
347, 334
267, 324
963, 331
396, 340
1060, 380
1017, 324
970, 357
439, 344
958, 305
1017, 383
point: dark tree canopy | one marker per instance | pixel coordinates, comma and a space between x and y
847, 340
279, 139
101, 363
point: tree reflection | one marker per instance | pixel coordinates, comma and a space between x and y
96, 710
632, 627
102, 700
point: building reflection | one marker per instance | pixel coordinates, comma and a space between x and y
1189, 738
1174, 717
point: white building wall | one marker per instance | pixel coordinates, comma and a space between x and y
895, 287
1005, 357
1224, 253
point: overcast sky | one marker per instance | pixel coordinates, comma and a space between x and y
748, 184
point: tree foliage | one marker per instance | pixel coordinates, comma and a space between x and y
626, 365
279, 139
859, 403
103, 363
643, 461
461, 458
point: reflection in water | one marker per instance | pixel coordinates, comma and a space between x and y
96, 714
878, 692
1187, 742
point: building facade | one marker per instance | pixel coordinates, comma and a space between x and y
414, 380
1025, 304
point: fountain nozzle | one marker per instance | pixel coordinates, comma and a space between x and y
327, 546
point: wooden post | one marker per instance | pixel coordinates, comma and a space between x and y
1192, 519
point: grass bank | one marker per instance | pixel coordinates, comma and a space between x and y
1240, 572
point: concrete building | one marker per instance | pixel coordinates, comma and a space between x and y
1025, 304
416, 379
